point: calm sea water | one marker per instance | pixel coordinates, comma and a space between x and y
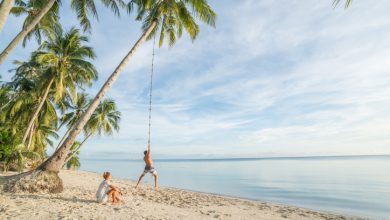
358, 186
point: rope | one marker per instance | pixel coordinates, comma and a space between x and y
151, 89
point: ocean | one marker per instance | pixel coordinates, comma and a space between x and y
352, 185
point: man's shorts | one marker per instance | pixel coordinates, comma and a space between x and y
149, 169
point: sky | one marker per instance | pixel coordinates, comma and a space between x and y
274, 78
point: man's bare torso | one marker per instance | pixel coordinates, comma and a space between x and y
148, 160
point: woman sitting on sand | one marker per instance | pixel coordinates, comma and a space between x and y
107, 192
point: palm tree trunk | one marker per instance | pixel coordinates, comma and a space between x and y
35, 115
30, 138
22, 34
63, 137
57, 160
5, 8
78, 148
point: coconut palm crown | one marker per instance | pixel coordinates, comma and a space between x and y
32, 8
172, 17
105, 119
68, 58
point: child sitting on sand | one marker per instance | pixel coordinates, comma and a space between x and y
107, 192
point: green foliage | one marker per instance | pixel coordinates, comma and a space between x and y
68, 60
74, 110
173, 17
74, 161
85, 7
14, 154
105, 119
63, 57
30, 9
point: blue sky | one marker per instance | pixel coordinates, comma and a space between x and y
275, 78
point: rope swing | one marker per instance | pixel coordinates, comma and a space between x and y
151, 89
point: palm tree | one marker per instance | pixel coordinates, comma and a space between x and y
73, 161
21, 98
166, 17
40, 8
71, 117
42, 132
5, 93
30, 10
26, 89
5, 8
66, 59
46, 5
105, 120
346, 5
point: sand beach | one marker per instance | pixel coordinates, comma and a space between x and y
77, 201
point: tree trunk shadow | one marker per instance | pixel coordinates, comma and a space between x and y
65, 199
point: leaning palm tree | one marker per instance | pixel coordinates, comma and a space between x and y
30, 10
40, 8
67, 61
165, 17
5, 8
73, 114
105, 120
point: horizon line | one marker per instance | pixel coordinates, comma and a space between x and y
243, 158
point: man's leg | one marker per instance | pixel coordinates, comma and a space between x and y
155, 181
139, 180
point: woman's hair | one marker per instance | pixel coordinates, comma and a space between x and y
106, 175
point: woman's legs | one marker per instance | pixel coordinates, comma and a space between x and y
114, 196
110, 195
117, 196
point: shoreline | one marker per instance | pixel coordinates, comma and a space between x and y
132, 181
77, 201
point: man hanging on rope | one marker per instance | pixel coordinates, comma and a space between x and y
148, 168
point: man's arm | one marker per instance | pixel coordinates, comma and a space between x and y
148, 149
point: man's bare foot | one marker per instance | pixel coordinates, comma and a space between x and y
156, 188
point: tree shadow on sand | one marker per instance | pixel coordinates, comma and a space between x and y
73, 199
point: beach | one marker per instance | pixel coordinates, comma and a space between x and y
77, 201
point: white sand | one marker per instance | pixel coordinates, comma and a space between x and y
78, 202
